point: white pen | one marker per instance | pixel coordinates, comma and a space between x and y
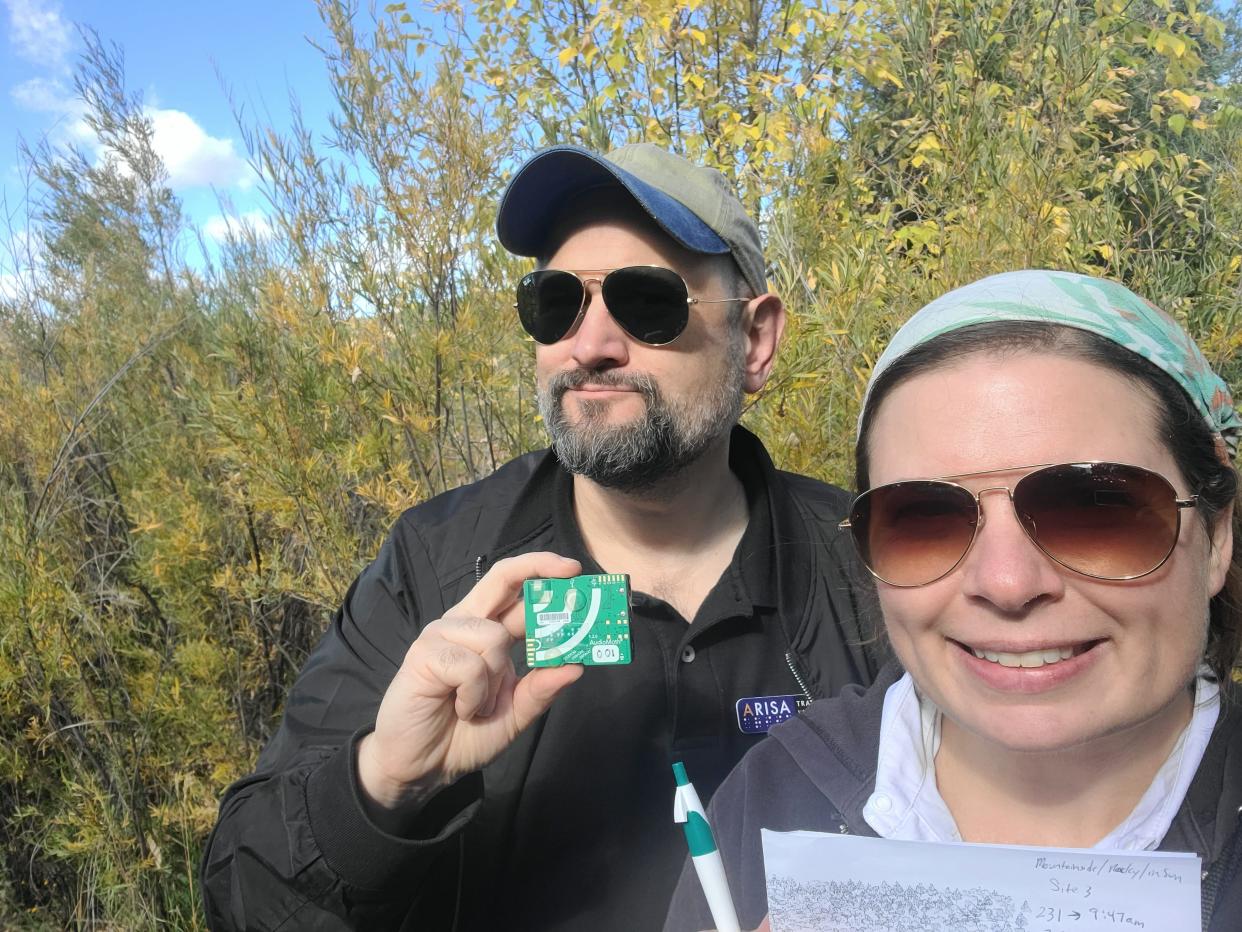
707, 863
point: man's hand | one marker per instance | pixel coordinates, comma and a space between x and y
457, 702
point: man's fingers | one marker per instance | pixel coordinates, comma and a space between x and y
471, 655
481, 635
484, 637
501, 586
447, 668
500, 666
536, 690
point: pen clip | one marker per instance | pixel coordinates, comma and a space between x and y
681, 811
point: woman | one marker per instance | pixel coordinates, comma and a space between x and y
1048, 509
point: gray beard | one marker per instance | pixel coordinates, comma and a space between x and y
642, 454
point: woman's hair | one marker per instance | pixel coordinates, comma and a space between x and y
1180, 426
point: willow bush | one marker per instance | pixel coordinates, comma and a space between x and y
196, 459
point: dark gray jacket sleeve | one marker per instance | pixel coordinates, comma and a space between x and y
293, 847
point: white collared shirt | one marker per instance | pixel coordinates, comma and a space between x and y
907, 805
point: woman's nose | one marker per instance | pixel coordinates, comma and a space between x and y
1004, 567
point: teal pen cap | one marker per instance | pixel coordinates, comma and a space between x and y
698, 833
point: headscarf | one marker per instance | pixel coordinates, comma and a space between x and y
1097, 305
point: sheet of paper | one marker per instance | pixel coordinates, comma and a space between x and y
841, 883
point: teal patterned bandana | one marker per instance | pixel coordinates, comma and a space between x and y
1094, 304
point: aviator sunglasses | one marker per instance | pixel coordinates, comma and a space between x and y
1103, 520
651, 303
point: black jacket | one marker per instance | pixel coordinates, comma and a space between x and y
816, 772
526, 843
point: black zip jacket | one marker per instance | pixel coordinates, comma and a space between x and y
816, 772
571, 827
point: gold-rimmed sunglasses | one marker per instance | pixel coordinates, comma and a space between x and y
651, 303
1103, 520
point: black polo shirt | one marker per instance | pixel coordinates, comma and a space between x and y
608, 773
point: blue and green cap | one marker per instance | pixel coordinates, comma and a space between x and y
1097, 305
693, 204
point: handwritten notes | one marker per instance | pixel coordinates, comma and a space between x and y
841, 883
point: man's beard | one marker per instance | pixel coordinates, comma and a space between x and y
640, 454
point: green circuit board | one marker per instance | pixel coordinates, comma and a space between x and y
584, 619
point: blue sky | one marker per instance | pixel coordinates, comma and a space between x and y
185, 59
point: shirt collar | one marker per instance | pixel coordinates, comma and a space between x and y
906, 804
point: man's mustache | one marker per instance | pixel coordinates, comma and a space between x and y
562, 382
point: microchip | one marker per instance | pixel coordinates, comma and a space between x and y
584, 619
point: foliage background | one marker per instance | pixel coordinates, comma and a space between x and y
195, 462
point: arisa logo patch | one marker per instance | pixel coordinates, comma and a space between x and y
756, 714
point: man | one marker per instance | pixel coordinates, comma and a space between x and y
419, 781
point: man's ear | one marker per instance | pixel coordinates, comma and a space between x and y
763, 323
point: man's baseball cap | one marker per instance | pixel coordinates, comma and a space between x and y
694, 205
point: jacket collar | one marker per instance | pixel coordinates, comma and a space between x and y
1209, 816
531, 511
834, 743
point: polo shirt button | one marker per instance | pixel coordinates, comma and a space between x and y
881, 802
687, 654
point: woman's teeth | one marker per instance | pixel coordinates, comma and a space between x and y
1032, 658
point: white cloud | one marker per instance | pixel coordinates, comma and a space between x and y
51, 96
38, 33
22, 248
10, 287
44, 95
221, 226
194, 158
20, 254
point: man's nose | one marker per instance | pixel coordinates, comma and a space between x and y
598, 340
1004, 567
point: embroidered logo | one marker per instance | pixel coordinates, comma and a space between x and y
756, 714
